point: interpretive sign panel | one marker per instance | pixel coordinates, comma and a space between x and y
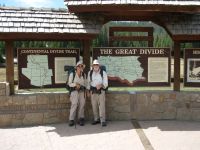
192, 67
135, 66
44, 67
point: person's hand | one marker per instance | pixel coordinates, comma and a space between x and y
99, 86
78, 86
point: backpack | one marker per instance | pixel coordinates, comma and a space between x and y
70, 69
102, 68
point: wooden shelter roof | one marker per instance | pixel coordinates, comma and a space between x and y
178, 17
137, 5
142, 2
182, 23
51, 21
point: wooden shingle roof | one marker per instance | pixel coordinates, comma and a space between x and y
188, 24
117, 2
33, 20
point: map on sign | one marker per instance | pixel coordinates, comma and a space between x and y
37, 70
124, 67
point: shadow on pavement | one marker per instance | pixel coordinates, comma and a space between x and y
65, 130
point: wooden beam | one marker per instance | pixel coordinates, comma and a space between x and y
10, 65
86, 54
150, 34
186, 37
111, 33
131, 38
149, 38
131, 29
177, 52
135, 7
46, 36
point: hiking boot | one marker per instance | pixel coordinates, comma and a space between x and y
81, 121
103, 124
96, 122
71, 123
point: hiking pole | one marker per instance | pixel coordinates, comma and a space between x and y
76, 115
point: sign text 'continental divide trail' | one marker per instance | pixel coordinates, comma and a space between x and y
45, 67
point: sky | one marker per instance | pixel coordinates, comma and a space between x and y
34, 3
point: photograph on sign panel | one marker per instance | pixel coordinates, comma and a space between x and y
60, 62
158, 69
193, 70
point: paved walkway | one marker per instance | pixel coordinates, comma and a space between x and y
127, 135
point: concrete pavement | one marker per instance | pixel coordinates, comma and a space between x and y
162, 135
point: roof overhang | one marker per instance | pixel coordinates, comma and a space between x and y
147, 6
46, 36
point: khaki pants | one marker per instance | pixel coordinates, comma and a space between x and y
77, 102
98, 106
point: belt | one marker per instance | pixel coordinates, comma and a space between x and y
95, 91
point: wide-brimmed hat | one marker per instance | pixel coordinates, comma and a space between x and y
95, 62
80, 62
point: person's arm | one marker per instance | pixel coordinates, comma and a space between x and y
105, 80
70, 83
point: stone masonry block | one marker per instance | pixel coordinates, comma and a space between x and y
33, 119
5, 120
64, 98
184, 114
2, 92
7, 89
19, 100
42, 99
31, 100
196, 114
2, 85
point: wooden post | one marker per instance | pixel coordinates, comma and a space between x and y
176, 66
86, 54
10, 65
150, 34
111, 33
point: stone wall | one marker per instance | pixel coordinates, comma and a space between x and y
166, 105
47, 108
33, 109
4, 89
